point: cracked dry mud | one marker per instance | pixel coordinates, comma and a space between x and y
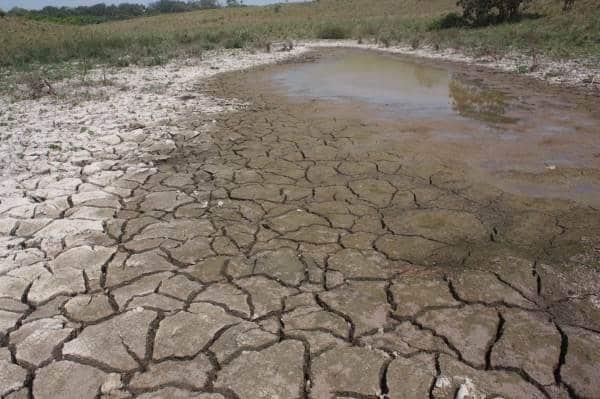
279, 252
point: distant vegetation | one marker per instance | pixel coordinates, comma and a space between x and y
101, 12
541, 28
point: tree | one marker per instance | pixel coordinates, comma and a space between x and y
97, 10
209, 4
483, 12
568, 4
2, 13
168, 6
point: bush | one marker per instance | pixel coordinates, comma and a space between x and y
2, 13
451, 20
568, 5
485, 12
333, 32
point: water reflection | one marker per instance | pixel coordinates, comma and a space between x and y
474, 102
401, 88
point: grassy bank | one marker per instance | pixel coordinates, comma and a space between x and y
153, 40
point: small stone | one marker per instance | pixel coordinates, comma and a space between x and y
480, 384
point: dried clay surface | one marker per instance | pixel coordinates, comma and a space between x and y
174, 236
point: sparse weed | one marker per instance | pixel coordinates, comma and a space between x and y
522, 68
154, 40
415, 42
35, 84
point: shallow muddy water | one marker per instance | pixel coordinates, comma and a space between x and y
535, 141
401, 88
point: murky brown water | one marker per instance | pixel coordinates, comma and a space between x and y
398, 88
530, 141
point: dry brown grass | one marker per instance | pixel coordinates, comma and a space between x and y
154, 39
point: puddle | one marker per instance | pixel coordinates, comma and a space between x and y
397, 87
495, 126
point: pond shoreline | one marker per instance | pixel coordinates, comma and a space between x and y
569, 73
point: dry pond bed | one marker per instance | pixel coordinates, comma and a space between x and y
343, 225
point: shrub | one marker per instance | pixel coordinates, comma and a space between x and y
333, 32
237, 39
568, 5
451, 20
2, 13
484, 12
